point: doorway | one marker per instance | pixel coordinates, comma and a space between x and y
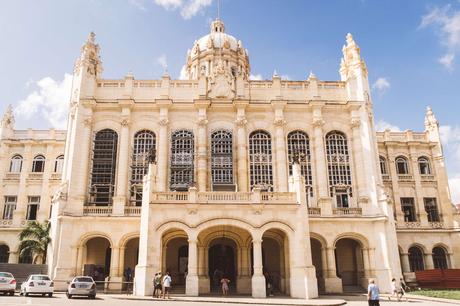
222, 263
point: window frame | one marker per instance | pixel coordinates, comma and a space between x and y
403, 161
424, 165
38, 164
32, 207
59, 164
17, 158
261, 160
222, 164
182, 160
9, 207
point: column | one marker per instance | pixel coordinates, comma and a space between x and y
79, 268
332, 283
202, 168
13, 257
258, 279
281, 161
358, 158
162, 152
405, 263
121, 266
242, 147
119, 201
429, 264
114, 268
244, 271
320, 158
366, 263
191, 283
324, 262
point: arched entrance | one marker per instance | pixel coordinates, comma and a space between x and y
131, 256
349, 263
97, 258
175, 257
440, 258
416, 261
316, 257
222, 263
275, 260
4, 253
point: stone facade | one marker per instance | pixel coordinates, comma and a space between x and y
242, 178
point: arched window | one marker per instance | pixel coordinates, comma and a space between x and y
58, 164
383, 165
222, 160
401, 165
4, 253
182, 160
298, 143
416, 262
144, 143
338, 166
439, 258
424, 165
260, 159
38, 164
16, 164
103, 168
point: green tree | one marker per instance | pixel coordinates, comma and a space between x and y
35, 239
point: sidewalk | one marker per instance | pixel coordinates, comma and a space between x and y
241, 300
428, 298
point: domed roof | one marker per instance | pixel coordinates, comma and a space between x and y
218, 38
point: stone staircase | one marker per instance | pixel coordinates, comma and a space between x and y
22, 271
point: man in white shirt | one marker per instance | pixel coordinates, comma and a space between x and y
166, 285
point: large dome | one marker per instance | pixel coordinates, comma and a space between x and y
214, 47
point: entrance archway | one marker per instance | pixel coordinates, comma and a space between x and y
97, 259
317, 260
349, 262
175, 257
4, 253
222, 263
275, 260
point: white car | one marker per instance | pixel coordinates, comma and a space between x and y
81, 285
7, 283
38, 284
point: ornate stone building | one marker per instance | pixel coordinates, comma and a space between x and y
222, 175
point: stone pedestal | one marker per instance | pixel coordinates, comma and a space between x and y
204, 285
115, 283
243, 285
191, 285
333, 285
303, 283
258, 286
143, 280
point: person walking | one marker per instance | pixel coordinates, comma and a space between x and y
373, 294
224, 282
395, 290
166, 285
157, 288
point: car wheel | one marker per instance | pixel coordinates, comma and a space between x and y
26, 294
12, 293
92, 296
43, 294
50, 295
69, 296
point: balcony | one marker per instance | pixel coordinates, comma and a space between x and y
405, 178
314, 211
35, 176
56, 176
6, 222
133, 211
97, 210
438, 224
386, 178
347, 211
427, 178
12, 176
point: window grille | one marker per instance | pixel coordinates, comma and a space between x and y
416, 259
431, 209
338, 165
260, 158
439, 258
10, 206
299, 143
424, 166
38, 164
32, 207
182, 160
144, 143
401, 165
58, 164
103, 168
383, 165
408, 208
16, 164
221, 157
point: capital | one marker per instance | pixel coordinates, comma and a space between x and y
279, 122
125, 122
87, 122
202, 121
163, 122
318, 122
241, 121
355, 122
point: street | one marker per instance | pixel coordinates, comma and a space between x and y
118, 300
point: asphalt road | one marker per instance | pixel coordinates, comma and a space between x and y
103, 300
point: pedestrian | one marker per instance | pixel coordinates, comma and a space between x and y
269, 284
395, 290
373, 294
166, 285
224, 282
157, 288
403, 287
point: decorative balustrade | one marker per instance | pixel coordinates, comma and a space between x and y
386, 178
133, 210
97, 210
225, 197
427, 177
170, 196
35, 176
405, 178
436, 224
412, 224
278, 197
314, 211
12, 176
6, 223
56, 176
347, 211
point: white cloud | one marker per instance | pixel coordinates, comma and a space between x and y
454, 186
450, 138
188, 8
162, 60
139, 4
49, 102
446, 21
255, 77
381, 85
382, 125
183, 73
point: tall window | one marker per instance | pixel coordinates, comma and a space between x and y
431, 209
299, 143
408, 208
25, 257
16, 164
58, 164
4, 253
103, 168
32, 207
144, 143
383, 165
9, 207
222, 160
402, 166
182, 160
260, 159
38, 164
439, 258
424, 165
338, 166
416, 259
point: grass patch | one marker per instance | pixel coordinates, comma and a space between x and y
444, 294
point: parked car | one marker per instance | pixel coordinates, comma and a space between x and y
82, 286
7, 283
38, 284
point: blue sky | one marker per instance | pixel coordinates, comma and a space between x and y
411, 48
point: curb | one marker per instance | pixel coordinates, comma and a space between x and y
433, 299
